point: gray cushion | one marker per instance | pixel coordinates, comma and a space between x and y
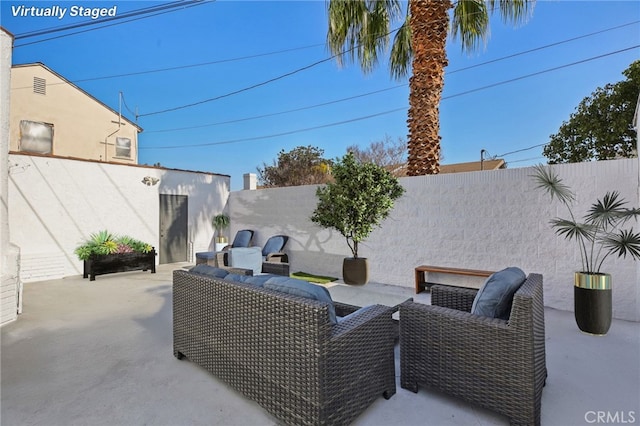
243, 238
257, 280
495, 297
303, 289
274, 244
204, 269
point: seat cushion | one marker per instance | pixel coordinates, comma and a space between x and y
495, 297
204, 269
274, 245
208, 255
303, 289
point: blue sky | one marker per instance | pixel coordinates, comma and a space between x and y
245, 44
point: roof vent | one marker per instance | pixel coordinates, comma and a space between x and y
39, 85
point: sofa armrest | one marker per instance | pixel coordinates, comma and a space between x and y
344, 309
277, 257
458, 298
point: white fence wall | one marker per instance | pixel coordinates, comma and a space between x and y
479, 220
57, 203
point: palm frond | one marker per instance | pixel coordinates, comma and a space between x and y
552, 184
514, 11
470, 23
401, 51
573, 230
623, 243
607, 211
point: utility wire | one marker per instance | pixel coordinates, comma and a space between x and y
340, 54
520, 150
390, 111
394, 87
136, 12
193, 3
279, 112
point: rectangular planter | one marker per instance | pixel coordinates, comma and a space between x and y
112, 263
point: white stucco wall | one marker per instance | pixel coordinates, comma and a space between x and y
9, 254
480, 220
57, 203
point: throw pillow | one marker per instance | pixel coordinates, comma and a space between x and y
303, 289
495, 297
204, 269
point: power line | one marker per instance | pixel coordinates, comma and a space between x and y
280, 112
389, 111
271, 80
136, 12
394, 87
334, 56
520, 150
192, 3
291, 132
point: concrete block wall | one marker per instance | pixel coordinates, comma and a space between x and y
57, 203
480, 220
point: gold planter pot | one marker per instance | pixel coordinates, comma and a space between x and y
592, 302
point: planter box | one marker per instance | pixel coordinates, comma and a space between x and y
111, 263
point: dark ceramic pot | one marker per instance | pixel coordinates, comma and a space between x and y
592, 302
355, 270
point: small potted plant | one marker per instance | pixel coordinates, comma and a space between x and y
359, 199
106, 253
220, 223
600, 234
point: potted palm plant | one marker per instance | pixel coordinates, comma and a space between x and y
599, 234
220, 223
359, 199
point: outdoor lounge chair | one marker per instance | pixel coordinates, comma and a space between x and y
271, 252
242, 239
498, 364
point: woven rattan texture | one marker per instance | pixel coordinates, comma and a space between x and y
281, 351
498, 364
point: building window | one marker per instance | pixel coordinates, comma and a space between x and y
123, 147
36, 137
39, 85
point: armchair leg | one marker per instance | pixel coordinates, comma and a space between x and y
410, 385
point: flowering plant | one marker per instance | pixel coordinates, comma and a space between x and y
104, 242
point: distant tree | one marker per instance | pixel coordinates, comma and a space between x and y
388, 153
602, 126
303, 165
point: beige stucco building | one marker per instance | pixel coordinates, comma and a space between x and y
52, 116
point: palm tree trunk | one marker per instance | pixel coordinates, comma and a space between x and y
429, 25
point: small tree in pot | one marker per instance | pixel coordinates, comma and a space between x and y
220, 223
599, 235
359, 199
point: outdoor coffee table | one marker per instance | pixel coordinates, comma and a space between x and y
358, 296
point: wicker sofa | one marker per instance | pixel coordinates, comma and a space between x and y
498, 364
282, 351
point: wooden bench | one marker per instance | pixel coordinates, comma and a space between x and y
421, 281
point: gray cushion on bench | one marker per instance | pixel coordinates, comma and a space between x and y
303, 289
257, 280
204, 269
495, 297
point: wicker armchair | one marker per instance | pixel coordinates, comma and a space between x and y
494, 363
282, 351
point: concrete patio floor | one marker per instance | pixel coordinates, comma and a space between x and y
100, 353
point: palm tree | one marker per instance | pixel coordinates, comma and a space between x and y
361, 28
